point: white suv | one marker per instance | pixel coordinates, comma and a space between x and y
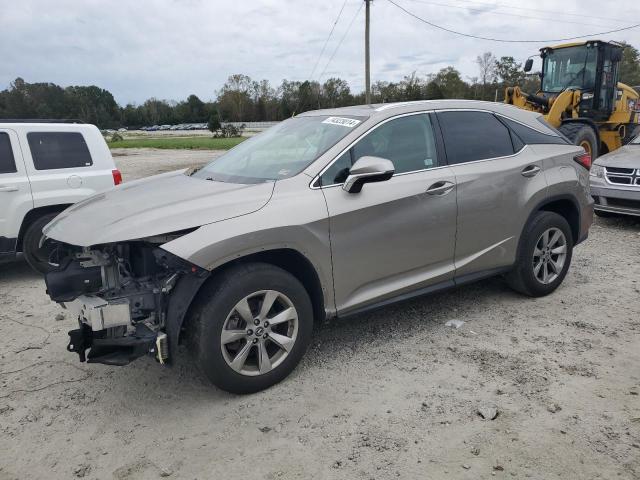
44, 168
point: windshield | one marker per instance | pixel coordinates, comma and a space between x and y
281, 151
573, 67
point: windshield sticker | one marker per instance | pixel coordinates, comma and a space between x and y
344, 122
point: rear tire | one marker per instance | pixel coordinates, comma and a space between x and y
583, 136
535, 258
36, 257
222, 327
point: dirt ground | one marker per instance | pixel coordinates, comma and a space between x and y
390, 394
137, 163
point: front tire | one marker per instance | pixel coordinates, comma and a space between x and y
544, 255
250, 327
37, 257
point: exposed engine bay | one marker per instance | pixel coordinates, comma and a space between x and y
121, 294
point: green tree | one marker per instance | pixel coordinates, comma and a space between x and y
193, 110
411, 87
92, 105
509, 71
336, 93
214, 122
384, 92
630, 65
451, 83
433, 91
235, 98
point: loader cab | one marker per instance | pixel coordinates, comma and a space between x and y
591, 67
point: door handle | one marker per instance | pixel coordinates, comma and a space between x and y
10, 188
440, 188
530, 171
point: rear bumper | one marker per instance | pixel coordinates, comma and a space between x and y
616, 200
586, 220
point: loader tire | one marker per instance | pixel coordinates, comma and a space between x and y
582, 135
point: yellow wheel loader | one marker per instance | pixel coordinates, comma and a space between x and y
580, 95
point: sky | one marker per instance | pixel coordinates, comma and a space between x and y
169, 49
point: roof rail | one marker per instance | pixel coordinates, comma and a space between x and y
41, 120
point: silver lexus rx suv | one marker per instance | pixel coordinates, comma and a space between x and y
327, 214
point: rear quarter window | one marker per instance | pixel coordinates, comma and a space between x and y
530, 136
7, 162
56, 150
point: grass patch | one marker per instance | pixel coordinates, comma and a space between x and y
188, 143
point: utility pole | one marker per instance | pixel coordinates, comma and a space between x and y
367, 61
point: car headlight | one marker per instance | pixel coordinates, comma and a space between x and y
597, 171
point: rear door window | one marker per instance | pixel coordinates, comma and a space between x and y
470, 136
55, 150
7, 161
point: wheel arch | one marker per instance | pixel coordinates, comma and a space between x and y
33, 215
567, 207
289, 259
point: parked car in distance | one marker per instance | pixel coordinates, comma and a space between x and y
615, 181
329, 213
45, 168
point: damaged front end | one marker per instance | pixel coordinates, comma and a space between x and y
130, 299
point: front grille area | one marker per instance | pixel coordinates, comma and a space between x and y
623, 203
621, 171
622, 176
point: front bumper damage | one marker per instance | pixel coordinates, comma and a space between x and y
97, 318
118, 351
124, 297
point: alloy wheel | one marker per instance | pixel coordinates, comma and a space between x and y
549, 255
259, 332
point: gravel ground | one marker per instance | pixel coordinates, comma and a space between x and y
389, 394
137, 163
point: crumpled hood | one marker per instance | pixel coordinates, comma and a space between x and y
625, 157
154, 206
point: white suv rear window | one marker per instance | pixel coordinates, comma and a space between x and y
54, 150
7, 162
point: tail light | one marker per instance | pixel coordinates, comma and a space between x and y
584, 159
117, 177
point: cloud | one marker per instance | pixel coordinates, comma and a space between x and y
172, 48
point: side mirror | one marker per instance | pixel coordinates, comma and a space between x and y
368, 170
528, 65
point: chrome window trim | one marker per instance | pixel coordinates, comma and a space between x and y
422, 112
400, 104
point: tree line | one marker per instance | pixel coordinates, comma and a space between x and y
242, 99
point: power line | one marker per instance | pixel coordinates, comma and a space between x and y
555, 12
490, 12
328, 38
503, 40
341, 40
